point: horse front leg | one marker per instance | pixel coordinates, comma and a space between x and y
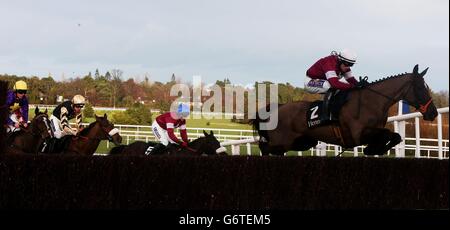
379, 140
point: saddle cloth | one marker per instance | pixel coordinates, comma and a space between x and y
313, 116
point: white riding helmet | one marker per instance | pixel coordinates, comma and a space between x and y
78, 100
348, 56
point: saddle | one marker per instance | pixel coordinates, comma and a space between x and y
55, 145
314, 116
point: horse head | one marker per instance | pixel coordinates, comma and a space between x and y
420, 97
208, 144
37, 112
40, 124
108, 131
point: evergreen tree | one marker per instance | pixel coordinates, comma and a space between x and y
97, 75
88, 110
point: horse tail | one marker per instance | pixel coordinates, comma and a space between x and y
3, 112
117, 150
256, 128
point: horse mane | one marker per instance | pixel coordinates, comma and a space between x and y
197, 140
387, 78
85, 131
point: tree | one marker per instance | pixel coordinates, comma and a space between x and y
440, 99
108, 76
137, 114
116, 83
97, 74
88, 110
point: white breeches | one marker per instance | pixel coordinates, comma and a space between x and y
316, 85
161, 134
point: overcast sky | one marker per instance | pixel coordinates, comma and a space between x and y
244, 41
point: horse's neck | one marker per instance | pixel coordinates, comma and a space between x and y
389, 95
89, 145
93, 132
195, 143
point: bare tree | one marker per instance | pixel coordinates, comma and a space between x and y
116, 82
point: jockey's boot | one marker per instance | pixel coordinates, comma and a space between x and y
158, 149
325, 116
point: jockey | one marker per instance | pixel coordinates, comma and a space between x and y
164, 124
326, 73
18, 107
65, 112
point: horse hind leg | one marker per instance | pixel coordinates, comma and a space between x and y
303, 143
265, 148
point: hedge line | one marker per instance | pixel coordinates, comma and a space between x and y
221, 183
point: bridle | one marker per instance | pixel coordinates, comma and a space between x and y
421, 107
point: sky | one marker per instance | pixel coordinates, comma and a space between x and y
245, 41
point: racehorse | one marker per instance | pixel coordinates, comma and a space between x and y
208, 145
4, 111
28, 140
88, 139
361, 120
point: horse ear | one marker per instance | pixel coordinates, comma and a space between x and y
45, 111
211, 133
205, 133
36, 111
105, 116
416, 69
424, 72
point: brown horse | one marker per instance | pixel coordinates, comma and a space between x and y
207, 145
361, 120
88, 139
28, 140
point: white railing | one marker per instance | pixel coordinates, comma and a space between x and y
131, 133
441, 147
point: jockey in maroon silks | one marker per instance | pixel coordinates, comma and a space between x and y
164, 125
17, 103
326, 73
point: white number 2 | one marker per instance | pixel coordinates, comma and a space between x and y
314, 112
